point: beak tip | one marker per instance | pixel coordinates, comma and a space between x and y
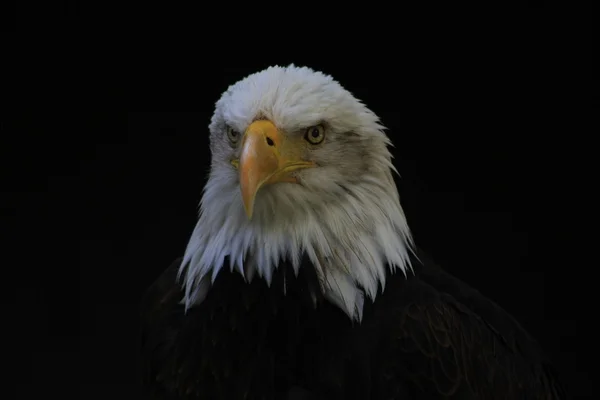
248, 208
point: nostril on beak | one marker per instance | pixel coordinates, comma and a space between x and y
270, 141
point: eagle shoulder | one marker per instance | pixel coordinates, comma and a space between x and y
448, 340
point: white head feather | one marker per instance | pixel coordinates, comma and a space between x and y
345, 215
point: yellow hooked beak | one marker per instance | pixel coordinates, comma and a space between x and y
267, 157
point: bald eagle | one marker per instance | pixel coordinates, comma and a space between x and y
301, 279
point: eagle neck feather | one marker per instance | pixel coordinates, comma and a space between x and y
351, 238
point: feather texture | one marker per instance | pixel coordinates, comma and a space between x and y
344, 215
427, 336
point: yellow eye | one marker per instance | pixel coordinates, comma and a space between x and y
233, 135
315, 134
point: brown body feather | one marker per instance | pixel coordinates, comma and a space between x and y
427, 336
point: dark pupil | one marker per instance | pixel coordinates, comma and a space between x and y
233, 133
315, 133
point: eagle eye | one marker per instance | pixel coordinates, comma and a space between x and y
233, 135
315, 134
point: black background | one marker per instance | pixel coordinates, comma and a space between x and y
116, 154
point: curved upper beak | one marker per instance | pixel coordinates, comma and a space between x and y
267, 157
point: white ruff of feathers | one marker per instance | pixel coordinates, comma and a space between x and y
352, 230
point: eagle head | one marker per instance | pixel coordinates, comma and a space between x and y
299, 167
